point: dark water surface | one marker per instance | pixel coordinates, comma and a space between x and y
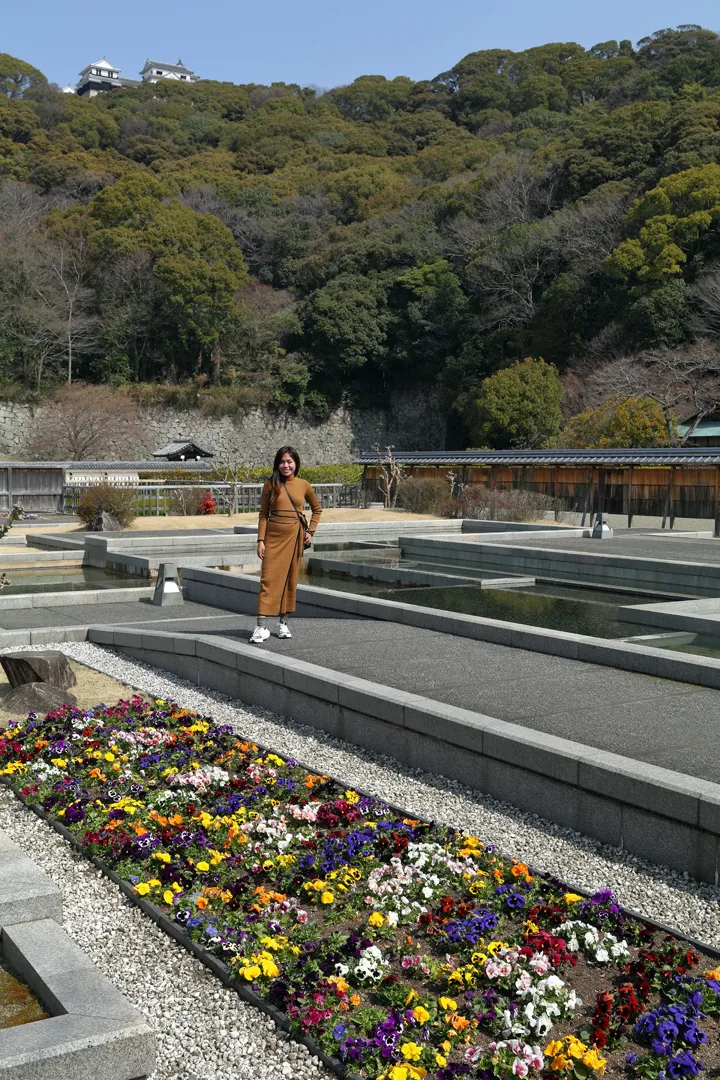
577, 610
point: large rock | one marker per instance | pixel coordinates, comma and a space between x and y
38, 697
45, 667
106, 522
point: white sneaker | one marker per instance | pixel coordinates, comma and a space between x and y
259, 634
284, 630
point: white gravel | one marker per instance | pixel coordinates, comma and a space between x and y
203, 1029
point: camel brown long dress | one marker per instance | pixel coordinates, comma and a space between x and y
280, 528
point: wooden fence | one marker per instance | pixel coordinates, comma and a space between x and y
160, 500
33, 489
653, 491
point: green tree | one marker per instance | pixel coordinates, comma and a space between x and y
620, 422
673, 222
16, 76
519, 406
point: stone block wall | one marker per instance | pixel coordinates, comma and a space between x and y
410, 422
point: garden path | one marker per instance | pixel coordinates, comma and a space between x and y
660, 721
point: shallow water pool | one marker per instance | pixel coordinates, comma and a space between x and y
18, 1004
59, 579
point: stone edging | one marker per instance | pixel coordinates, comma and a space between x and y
76, 598
661, 815
92, 1029
238, 592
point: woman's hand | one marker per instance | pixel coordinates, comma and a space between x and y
261, 549
307, 539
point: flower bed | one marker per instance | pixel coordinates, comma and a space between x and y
401, 948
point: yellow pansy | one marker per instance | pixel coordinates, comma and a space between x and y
109, 756
411, 1051
571, 898
268, 965
202, 866
421, 1014
448, 1004
60, 762
327, 897
376, 919
168, 896
162, 856
143, 888
593, 1060
252, 971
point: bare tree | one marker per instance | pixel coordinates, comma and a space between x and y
510, 269
516, 191
685, 382
391, 475
60, 283
84, 421
704, 297
44, 285
227, 468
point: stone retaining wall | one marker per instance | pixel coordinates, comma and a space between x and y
412, 421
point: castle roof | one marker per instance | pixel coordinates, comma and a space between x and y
105, 64
179, 67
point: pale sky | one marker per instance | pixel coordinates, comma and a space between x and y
318, 42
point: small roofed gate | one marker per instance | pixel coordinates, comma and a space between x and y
36, 490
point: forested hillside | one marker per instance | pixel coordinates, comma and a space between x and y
260, 243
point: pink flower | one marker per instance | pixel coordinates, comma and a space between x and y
519, 1068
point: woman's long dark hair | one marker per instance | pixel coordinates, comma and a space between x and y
277, 477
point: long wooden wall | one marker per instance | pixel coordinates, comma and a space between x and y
677, 491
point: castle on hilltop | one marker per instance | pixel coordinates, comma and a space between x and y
101, 76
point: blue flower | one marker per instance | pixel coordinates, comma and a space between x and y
339, 1031
667, 1031
684, 1064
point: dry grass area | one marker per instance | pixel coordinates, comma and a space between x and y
211, 521
227, 521
92, 688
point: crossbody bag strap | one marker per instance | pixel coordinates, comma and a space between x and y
301, 517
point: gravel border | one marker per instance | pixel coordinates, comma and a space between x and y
204, 1030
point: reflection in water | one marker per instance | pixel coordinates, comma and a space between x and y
66, 579
577, 610
532, 606
698, 644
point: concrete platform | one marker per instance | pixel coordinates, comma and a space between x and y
660, 721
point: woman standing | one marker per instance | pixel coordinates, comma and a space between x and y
283, 532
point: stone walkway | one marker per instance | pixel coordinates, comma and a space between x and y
672, 547
667, 723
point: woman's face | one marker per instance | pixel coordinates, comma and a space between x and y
286, 466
